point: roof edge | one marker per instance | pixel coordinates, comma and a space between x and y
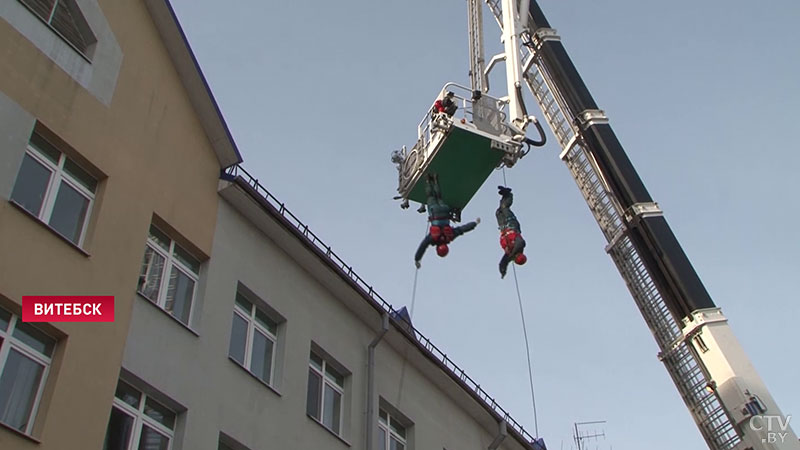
194, 82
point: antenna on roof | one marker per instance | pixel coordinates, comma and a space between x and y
580, 433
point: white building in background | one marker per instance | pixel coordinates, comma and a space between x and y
285, 347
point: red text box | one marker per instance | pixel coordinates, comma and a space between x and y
68, 308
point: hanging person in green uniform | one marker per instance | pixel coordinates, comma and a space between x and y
441, 232
510, 232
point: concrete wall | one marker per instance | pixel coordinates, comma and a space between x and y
153, 157
220, 396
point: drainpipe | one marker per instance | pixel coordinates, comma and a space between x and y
371, 381
501, 434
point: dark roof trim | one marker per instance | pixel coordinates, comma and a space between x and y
194, 82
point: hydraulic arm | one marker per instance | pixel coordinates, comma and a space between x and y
725, 395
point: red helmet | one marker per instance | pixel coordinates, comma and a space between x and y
521, 259
442, 250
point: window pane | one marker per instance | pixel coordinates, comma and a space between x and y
332, 405
331, 372
80, 175
261, 362
152, 271
64, 22
159, 238
238, 338
187, 260
5, 319
42, 8
314, 389
19, 384
382, 438
179, 295
69, 212
263, 319
159, 413
39, 143
128, 394
316, 361
382, 416
31, 185
39, 341
244, 303
396, 445
398, 429
152, 440
119, 430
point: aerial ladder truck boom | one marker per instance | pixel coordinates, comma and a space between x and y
722, 390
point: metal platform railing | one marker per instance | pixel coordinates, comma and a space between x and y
423, 342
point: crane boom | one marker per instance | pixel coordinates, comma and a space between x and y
727, 398
477, 64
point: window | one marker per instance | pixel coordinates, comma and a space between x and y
253, 339
169, 275
66, 19
325, 392
138, 422
55, 190
228, 443
391, 434
224, 446
25, 355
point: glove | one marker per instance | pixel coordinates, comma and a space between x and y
416, 263
502, 190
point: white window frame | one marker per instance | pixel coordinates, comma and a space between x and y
57, 174
386, 426
140, 419
252, 326
9, 342
170, 261
329, 381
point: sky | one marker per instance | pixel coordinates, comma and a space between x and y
703, 96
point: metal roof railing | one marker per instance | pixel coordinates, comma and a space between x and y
455, 372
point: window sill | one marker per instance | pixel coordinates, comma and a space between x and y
150, 302
275, 391
52, 230
328, 430
3, 426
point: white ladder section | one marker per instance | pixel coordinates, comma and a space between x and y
682, 362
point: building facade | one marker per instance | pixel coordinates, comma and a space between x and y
292, 350
108, 129
235, 327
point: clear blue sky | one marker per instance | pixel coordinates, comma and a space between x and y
704, 97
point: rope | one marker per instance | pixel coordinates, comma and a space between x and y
413, 294
414, 289
525, 333
410, 316
527, 353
